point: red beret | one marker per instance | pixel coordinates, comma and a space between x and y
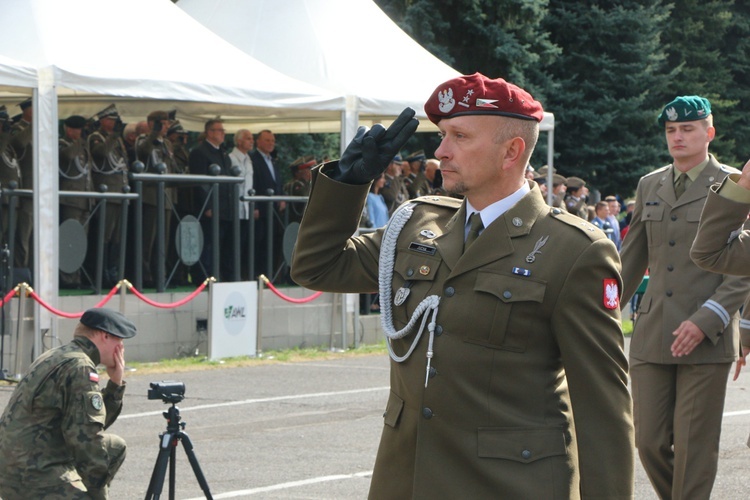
478, 95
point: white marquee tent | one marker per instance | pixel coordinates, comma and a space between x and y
347, 46
143, 55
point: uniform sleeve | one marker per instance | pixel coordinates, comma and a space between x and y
721, 245
326, 257
587, 327
634, 253
83, 421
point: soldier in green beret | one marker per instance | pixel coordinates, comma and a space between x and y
52, 443
686, 334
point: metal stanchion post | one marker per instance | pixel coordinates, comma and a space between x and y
251, 236
216, 261
100, 246
258, 333
160, 233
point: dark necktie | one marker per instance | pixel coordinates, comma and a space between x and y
475, 227
680, 185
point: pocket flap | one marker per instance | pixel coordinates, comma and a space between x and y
416, 267
653, 212
522, 445
510, 288
393, 410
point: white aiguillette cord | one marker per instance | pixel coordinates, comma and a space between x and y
385, 279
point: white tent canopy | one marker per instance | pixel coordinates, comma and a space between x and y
347, 46
127, 61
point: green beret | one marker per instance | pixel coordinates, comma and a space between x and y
686, 108
109, 321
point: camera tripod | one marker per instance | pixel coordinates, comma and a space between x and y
166, 455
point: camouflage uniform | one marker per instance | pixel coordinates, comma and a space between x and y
51, 440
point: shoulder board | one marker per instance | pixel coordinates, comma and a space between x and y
585, 227
441, 201
657, 171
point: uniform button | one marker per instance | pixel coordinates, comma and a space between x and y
433, 371
526, 454
438, 330
427, 413
507, 294
674, 217
669, 293
450, 291
670, 267
410, 272
671, 243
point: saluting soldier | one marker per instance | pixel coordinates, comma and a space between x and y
299, 185
21, 136
110, 169
685, 338
52, 443
154, 149
502, 313
75, 175
394, 192
10, 172
417, 184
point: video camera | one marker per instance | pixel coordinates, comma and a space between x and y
169, 391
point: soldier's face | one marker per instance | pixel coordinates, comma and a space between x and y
471, 158
689, 140
109, 348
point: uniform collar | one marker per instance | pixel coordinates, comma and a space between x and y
492, 212
88, 347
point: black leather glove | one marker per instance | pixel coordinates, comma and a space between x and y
371, 151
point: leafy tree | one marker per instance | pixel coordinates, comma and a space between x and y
733, 126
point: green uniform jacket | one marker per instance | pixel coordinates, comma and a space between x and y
152, 151
721, 245
110, 162
527, 395
661, 232
51, 430
75, 171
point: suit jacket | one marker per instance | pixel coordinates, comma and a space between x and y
661, 232
529, 376
262, 180
201, 157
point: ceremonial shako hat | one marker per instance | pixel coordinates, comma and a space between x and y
75, 121
302, 163
478, 95
687, 108
397, 159
109, 112
575, 182
109, 321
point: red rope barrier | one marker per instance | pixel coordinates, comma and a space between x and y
173, 304
10, 295
51, 309
286, 297
109, 296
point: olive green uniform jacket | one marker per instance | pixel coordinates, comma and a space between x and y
109, 162
527, 393
661, 233
51, 430
721, 245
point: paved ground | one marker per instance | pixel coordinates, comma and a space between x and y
310, 430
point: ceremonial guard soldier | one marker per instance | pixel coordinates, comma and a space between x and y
9, 169
21, 136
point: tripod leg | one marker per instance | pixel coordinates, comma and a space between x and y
187, 445
156, 483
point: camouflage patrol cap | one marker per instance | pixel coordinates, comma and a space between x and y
686, 108
109, 321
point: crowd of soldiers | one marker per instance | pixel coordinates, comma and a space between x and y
96, 155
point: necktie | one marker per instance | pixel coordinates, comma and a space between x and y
680, 185
475, 227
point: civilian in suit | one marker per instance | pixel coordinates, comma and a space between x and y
267, 178
508, 372
686, 334
209, 152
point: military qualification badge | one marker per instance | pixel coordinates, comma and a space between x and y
96, 402
611, 294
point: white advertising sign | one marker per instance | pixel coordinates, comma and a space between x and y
233, 319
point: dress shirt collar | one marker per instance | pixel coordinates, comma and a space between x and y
495, 210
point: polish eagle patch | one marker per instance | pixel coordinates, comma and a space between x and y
611, 296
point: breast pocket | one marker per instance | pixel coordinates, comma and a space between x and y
514, 304
415, 273
652, 217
